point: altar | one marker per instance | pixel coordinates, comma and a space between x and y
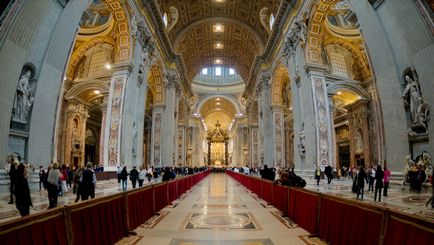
217, 146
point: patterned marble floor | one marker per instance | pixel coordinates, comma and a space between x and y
219, 211
398, 197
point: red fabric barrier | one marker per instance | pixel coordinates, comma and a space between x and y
173, 190
400, 231
105, 218
140, 207
256, 186
351, 218
305, 210
267, 191
160, 196
49, 230
181, 186
280, 198
291, 204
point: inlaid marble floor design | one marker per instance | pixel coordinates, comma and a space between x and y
219, 211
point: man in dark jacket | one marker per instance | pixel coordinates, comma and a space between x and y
87, 183
267, 173
134, 175
12, 176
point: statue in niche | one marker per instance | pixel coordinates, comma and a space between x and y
419, 110
134, 148
359, 142
23, 99
134, 26
302, 144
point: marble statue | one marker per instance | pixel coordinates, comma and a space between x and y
411, 96
302, 144
134, 147
419, 110
134, 26
24, 99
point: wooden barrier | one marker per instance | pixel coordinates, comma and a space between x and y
342, 221
103, 220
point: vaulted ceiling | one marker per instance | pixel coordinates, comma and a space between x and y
192, 31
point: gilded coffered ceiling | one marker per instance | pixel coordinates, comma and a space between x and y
242, 35
217, 105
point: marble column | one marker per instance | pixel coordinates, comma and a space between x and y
157, 116
209, 151
268, 141
182, 146
169, 122
112, 134
102, 135
226, 152
333, 158
82, 136
279, 136
323, 125
351, 131
67, 148
254, 146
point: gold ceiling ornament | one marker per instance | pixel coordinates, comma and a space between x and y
279, 82
317, 19
235, 24
122, 29
198, 48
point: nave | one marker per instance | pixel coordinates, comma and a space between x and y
218, 210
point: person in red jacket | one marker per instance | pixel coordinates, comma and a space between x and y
387, 175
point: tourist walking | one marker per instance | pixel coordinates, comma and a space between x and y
328, 171
149, 174
387, 175
142, 176
360, 179
63, 179
317, 175
379, 175
124, 178
53, 186
371, 178
22, 191
42, 178
76, 183
134, 175
12, 175
87, 183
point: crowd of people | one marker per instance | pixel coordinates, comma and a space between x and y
280, 176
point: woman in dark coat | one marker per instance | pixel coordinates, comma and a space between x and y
379, 176
22, 191
360, 179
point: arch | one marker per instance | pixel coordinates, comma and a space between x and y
81, 51
231, 99
357, 54
280, 79
334, 87
84, 86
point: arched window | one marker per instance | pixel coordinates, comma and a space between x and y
272, 19
165, 19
